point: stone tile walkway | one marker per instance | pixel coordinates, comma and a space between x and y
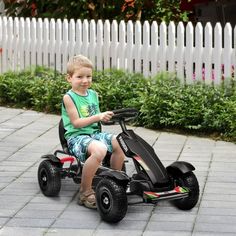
24, 210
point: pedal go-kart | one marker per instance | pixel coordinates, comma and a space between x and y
152, 182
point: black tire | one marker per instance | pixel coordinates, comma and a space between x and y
111, 200
188, 180
49, 178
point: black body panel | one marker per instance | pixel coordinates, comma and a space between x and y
133, 145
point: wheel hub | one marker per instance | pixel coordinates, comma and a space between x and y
106, 202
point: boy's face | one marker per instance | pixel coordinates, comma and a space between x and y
81, 79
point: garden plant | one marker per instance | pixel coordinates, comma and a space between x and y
163, 102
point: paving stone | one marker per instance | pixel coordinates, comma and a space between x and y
69, 232
21, 231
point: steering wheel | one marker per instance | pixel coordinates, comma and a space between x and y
125, 114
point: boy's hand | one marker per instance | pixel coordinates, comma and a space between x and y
106, 116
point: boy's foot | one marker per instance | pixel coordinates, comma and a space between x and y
87, 199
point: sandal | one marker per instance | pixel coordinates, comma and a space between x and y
87, 199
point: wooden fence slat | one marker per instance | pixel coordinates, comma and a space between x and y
78, 37
9, 43
198, 52
85, 38
99, 46
171, 47
180, 50
65, 43
71, 44
114, 43
130, 46
52, 43
163, 47
122, 46
22, 44
58, 45
33, 43
137, 47
154, 49
227, 51
4, 44
1, 46
189, 53
208, 54
27, 43
146, 48
106, 48
234, 55
217, 54
45, 44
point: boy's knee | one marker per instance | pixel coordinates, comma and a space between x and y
98, 150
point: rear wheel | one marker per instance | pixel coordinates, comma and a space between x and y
189, 181
49, 178
111, 200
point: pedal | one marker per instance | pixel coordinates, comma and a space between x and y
177, 193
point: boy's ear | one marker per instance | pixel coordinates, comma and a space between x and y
68, 77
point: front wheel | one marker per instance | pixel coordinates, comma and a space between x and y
111, 200
49, 178
189, 181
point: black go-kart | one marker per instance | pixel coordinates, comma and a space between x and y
151, 182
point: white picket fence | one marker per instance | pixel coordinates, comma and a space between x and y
194, 53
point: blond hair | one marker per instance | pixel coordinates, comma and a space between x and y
76, 62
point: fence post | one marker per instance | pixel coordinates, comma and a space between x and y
27, 43
106, 48
198, 52
137, 47
71, 42
217, 54
58, 45
154, 48
130, 46
114, 43
92, 43
1, 46
64, 45
85, 38
122, 46
78, 37
33, 44
45, 47
171, 47
227, 51
99, 46
189, 53
208, 54
52, 44
22, 43
163, 46
146, 48
4, 44
180, 51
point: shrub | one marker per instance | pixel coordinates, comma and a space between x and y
163, 101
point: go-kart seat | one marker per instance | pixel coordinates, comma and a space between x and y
106, 160
62, 137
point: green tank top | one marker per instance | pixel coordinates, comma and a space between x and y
86, 106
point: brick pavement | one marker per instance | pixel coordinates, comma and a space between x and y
24, 210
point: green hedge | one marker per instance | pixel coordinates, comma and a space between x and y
163, 101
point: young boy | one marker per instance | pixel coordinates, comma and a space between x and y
81, 115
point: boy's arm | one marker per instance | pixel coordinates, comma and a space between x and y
78, 122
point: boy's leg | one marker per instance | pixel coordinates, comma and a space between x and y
96, 151
117, 157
